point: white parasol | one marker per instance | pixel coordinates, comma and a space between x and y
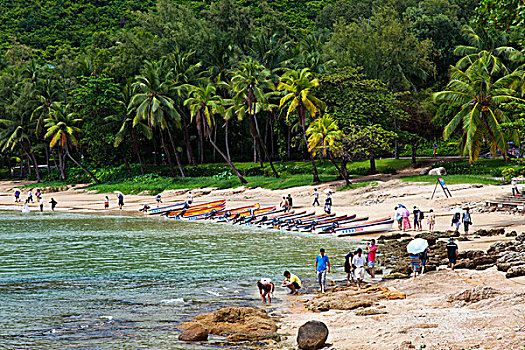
457, 210
328, 191
118, 192
16, 189
417, 245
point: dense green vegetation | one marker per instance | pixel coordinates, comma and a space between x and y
163, 88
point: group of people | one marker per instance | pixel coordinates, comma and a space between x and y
418, 261
355, 266
402, 217
286, 203
29, 199
464, 218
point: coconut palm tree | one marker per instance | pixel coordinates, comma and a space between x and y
18, 132
493, 48
61, 129
203, 104
481, 97
126, 123
250, 83
152, 104
301, 100
325, 137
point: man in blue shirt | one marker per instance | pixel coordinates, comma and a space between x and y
322, 263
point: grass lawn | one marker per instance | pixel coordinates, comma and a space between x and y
453, 179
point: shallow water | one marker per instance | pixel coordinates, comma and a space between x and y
104, 282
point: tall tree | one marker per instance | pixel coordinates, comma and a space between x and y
481, 97
301, 100
154, 106
62, 130
204, 103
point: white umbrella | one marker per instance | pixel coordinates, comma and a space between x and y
328, 191
118, 192
417, 245
16, 189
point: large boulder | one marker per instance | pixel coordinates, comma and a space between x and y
236, 320
438, 171
424, 171
194, 333
312, 335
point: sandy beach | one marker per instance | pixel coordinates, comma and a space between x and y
426, 318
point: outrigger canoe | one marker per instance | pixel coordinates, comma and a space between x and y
367, 227
198, 208
220, 214
164, 209
329, 228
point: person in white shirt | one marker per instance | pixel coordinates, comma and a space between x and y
41, 202
359, 262
514, 184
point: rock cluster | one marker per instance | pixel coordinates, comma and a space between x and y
352, 299
508, 256
236, 323
473, 295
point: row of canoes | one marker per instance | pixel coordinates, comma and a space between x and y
271, 217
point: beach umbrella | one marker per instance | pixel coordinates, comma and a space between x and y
457, 210
401, 206
328, 191
417, 245
16, 189
118, 192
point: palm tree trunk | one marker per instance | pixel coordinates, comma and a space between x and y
289, 142
47, 160
372, 162
177, 159
189, 152
314, 168
414, 151
201, 146
167, 152
258, 137
214, 141
345, 171
136, 149
60, 165
32, 155
126, 163
343, 174
241, 178
226, 141
21, 163
82, 167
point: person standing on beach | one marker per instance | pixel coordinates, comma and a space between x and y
417, 219
348, 266
514, 184
53, 203
435, 147
398, 218
322, 265
17, 196
292, 282
158, 199
38, 194
372, 250
467, 220
431, 221
452, 253
30, 196
106, 203
41, 202
455, 221
189, 199
316, 198
328, 204
284, 204
120, 197
290, 202
424, 259
266, 289
359, 262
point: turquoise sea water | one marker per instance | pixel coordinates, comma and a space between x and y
70, 281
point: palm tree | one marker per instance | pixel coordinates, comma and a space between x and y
324, 136
17, 133
126, 120
204, 103
298, 85
153, 105
249, 83
182, 71
61, 129
481, 97
494, 49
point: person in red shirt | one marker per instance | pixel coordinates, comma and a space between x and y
372, 249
